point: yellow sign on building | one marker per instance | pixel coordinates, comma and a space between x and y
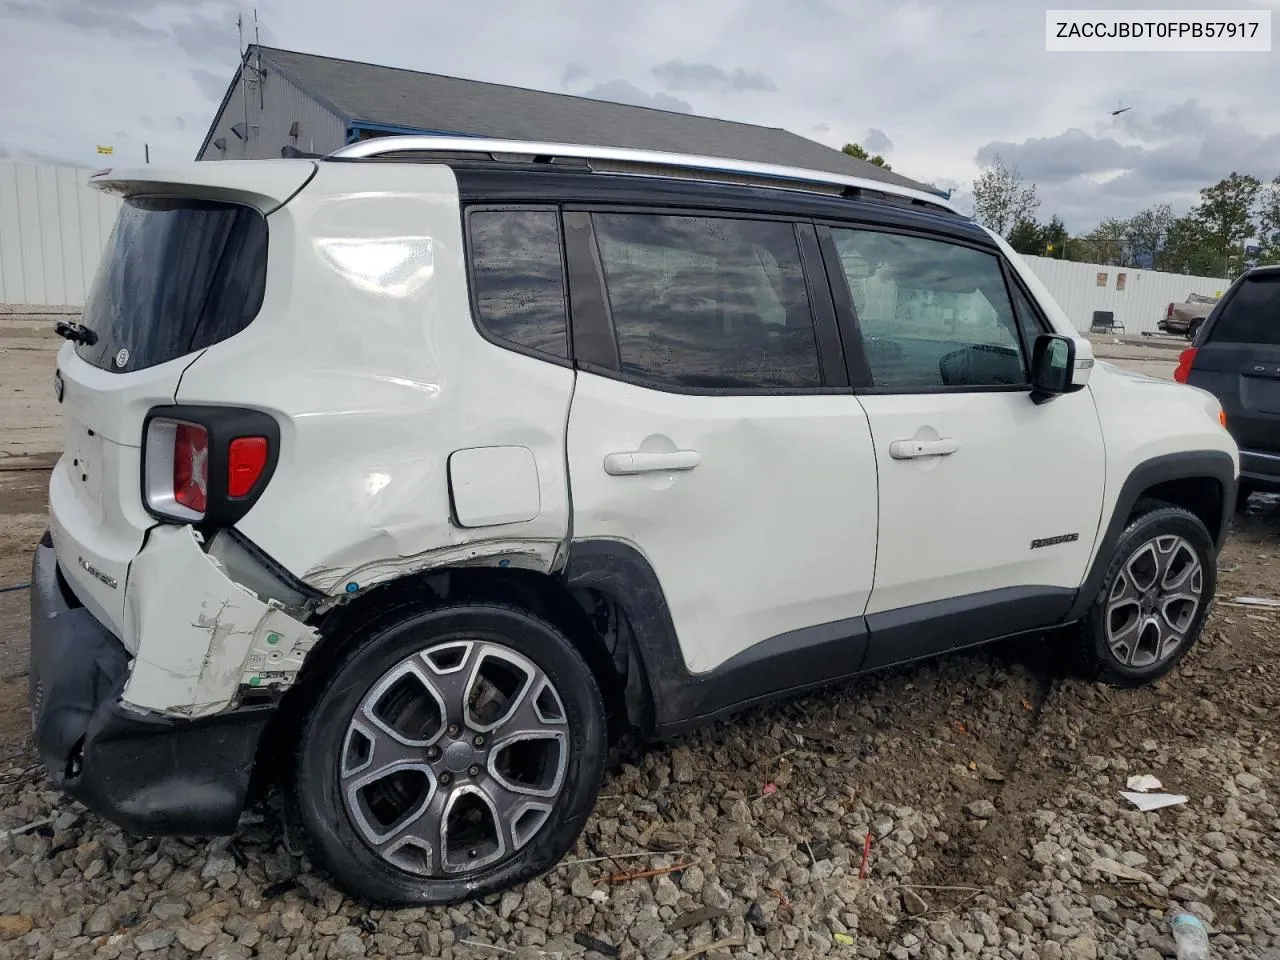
106, 150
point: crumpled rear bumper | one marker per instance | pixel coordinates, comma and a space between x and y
148, 773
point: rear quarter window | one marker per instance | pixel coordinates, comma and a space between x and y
1251, 314
177, 275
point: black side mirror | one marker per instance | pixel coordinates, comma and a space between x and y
1053, 360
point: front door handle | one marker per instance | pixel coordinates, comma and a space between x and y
910, 449
636, 461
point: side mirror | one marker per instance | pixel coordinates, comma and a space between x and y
1053, 367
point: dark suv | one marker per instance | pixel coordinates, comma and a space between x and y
1236, 357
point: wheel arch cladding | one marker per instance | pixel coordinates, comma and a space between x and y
541, 594
1201, 481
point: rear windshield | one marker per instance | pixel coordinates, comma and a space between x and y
1252, 313
176, 276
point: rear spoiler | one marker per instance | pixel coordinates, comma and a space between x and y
265, 184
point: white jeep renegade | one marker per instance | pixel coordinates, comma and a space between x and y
408, 477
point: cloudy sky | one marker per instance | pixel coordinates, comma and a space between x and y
938, 87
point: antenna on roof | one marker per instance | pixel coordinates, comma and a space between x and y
257, 47
244, 91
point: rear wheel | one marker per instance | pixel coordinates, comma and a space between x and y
450, 755
1194, 328
1154, 598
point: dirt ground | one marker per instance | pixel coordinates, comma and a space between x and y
1002, 725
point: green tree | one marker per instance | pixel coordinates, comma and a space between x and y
1189, 248
856, 150
1055, 238
1269, 221
1001, 198
1226, 213
1147, 232
1027, 236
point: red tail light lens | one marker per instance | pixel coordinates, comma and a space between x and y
1168, 314
191, 467
1185, 361
246, 459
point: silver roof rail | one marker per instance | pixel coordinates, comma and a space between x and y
782, 176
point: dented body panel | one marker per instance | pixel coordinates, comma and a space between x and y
198, 636
374, 407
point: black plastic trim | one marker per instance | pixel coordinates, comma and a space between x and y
149, 774
927, 629
798, 660
1187, 465
594, 344
826, 329
223, 425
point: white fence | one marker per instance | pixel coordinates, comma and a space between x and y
52, 231
1138, 298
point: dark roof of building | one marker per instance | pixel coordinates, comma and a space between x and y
430, 102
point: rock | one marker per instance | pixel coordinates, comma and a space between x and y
981, 809
511, 901
1216, 840
196, 939
716, 897
1120, 871
693, 880
348, 946
1147, 953
1201, 910
216, 865
15, 925
1227, 860
331, 926
1044, 852
913, 904
684, 769
102, 920
538, 898
153, 940
68, 928
740, 812
665, 892
1247, 781
1080, 948
1187, 893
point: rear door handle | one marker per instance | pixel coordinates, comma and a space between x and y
636, 461
910, 449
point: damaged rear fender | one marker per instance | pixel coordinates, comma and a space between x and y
199, 637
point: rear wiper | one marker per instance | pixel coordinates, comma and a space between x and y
75, 332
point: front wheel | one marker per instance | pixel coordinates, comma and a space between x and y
1154, 598
451, 754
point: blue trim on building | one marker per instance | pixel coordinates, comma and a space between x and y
357, 126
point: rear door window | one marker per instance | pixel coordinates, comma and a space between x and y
1251, 314
177, 275
708, 302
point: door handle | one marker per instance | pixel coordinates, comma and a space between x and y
636, 461
910, 449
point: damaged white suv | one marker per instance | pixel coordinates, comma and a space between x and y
408, 477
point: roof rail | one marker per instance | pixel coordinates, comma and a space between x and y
794, 178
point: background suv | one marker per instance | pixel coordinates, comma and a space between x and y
1236, 357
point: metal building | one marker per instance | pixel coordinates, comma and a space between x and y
280, 103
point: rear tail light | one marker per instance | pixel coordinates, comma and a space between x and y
1168, 314
1185, 361
206, 465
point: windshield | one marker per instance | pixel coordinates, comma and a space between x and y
177, 275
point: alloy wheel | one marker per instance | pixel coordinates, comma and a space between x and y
1153, 602
454, 759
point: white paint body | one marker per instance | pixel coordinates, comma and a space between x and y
410, 442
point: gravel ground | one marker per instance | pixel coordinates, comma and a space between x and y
989, 784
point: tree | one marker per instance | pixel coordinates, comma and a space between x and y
1001, 198
1055, 238
1106, 243
1027, 236
855, 150
1269, 221
1189, 249
1226, 213
1147, 231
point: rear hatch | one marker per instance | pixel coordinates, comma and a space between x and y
1237, 358
184, 269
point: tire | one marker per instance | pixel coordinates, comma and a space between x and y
366, 829
1193, 328
1243, 492
1156, 551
